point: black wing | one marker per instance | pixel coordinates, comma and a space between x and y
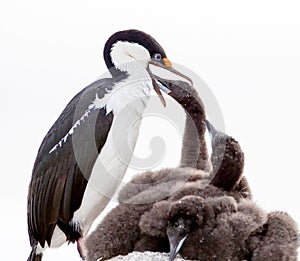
65, 161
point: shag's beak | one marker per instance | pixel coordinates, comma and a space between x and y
167, 65
176, 241
157, 85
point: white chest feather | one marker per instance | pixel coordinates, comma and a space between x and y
128, 104
126, 93
134, 91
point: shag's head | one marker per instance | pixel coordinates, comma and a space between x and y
126, 49
185, 215
227, 159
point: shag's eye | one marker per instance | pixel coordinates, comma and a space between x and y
157, 57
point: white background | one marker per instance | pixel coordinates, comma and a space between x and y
246, 51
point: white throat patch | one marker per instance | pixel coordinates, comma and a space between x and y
126, 55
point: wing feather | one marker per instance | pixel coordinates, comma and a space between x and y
58, 179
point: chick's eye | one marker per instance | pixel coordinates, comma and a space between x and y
157, 57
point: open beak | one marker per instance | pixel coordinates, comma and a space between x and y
157, 85
176, 241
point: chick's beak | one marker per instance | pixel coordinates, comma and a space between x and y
176, 241
165, 64
211, 129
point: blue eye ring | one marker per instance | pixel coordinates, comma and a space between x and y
157, 57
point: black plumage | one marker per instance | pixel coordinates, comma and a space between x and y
59, 178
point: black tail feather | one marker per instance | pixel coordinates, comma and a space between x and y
34, 256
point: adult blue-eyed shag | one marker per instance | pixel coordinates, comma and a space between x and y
86, 152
